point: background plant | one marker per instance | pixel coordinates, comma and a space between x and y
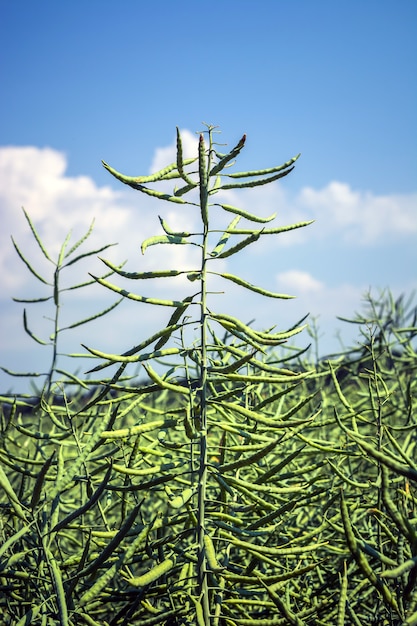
243, 482
52, 307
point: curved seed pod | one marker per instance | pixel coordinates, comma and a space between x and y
40, 481
251, 287
136, 297
239, 246
266, 368
263, 521
61, 257
248, 436
78, 243
141, 275
339, 392
249, 216
180, 162
135, 181
218, 515
112, 546
30, 333
143, 486
374, 553
281, 551
137, 358
163, 336
165, 384
15, 463
148, 471
258, 182
238, 482
163, 618
234, 366
179, 501
274, 578
249, 460
183, 190
59, 589
164, 239
341, 609
224, 238
345, 478
11, 495
28, 265
231, 328
233, 324
400, 570
199, 613
202, 172
172, 322
253, 378
228, 157
251, 496
257, 335
53, 436
188, 425
156, 572
173, 233
272, 231
223, 484
88, 619
284, 417
211, 557
263, 172
216, 185
37, 237
93, 317
406, 458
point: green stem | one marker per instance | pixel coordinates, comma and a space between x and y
55, 335
203, 471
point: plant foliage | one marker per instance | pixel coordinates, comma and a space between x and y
242, 482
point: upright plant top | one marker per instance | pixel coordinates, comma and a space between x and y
208, 179
211, 399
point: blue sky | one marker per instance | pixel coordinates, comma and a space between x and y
85, 81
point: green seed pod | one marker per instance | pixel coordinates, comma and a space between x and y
249, 216
179, 501
210, 552
156, 572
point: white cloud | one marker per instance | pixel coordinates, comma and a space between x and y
360, 217
299, 282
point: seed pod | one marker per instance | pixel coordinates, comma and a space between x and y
156, 572
210, 552
249, 216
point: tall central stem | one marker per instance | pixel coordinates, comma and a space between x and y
204, 169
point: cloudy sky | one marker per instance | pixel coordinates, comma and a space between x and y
82, 82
